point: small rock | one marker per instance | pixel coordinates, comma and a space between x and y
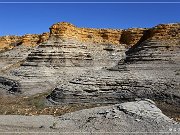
41, 127
138, 120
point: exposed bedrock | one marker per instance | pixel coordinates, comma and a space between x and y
9, 86
139, 117
64, 30
57, 61
11, 41
86, 65
151, 69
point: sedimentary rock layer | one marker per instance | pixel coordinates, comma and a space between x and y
127, 37
64, 30
82, 71
9, 42
67, 30
97, 36
150, 69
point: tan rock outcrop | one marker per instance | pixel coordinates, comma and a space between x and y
65, 31
43, 37
99, 36
115, 36
9, 42
166, 31
6, 42
162, 32
30, 39
132, 36
34, 39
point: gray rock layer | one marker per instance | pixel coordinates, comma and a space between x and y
150, 69
58, 61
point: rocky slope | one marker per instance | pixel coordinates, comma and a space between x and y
95, 67
9, 42
150, 69
79, 68
127, 37
6, 42
139, 117
64, 30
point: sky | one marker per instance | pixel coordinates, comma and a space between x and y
23, 18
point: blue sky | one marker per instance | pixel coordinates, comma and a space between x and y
19, 19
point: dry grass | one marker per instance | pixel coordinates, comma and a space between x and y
35, 105
169, 110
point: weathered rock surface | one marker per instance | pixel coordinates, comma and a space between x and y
82, 65
150, 69
84, 69
8, 85
65, 30
9, 42
139, 117
127, 37
56, 61
131, 36
98, 36
165, 31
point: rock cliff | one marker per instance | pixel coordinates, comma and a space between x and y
101, 73
34, 39
9, 42
97, 36
65, 31
78, 67
127, 37
165, 31
6, 42
150, 69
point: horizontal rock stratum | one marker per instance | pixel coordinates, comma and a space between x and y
133, 69
128, 37
64, 30
9, 42
84, 65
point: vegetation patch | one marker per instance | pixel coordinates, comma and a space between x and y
35, 105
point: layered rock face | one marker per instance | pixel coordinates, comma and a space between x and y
131, 36
64, 30
34, 39
56, 61
9, 42
94, 70
127, 37
165, 31
150, 69
6, 42
97, 36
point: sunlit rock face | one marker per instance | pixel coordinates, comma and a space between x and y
65, 30
150, 69
34, 39
9, 42
98, 36
57, 60
84, 65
